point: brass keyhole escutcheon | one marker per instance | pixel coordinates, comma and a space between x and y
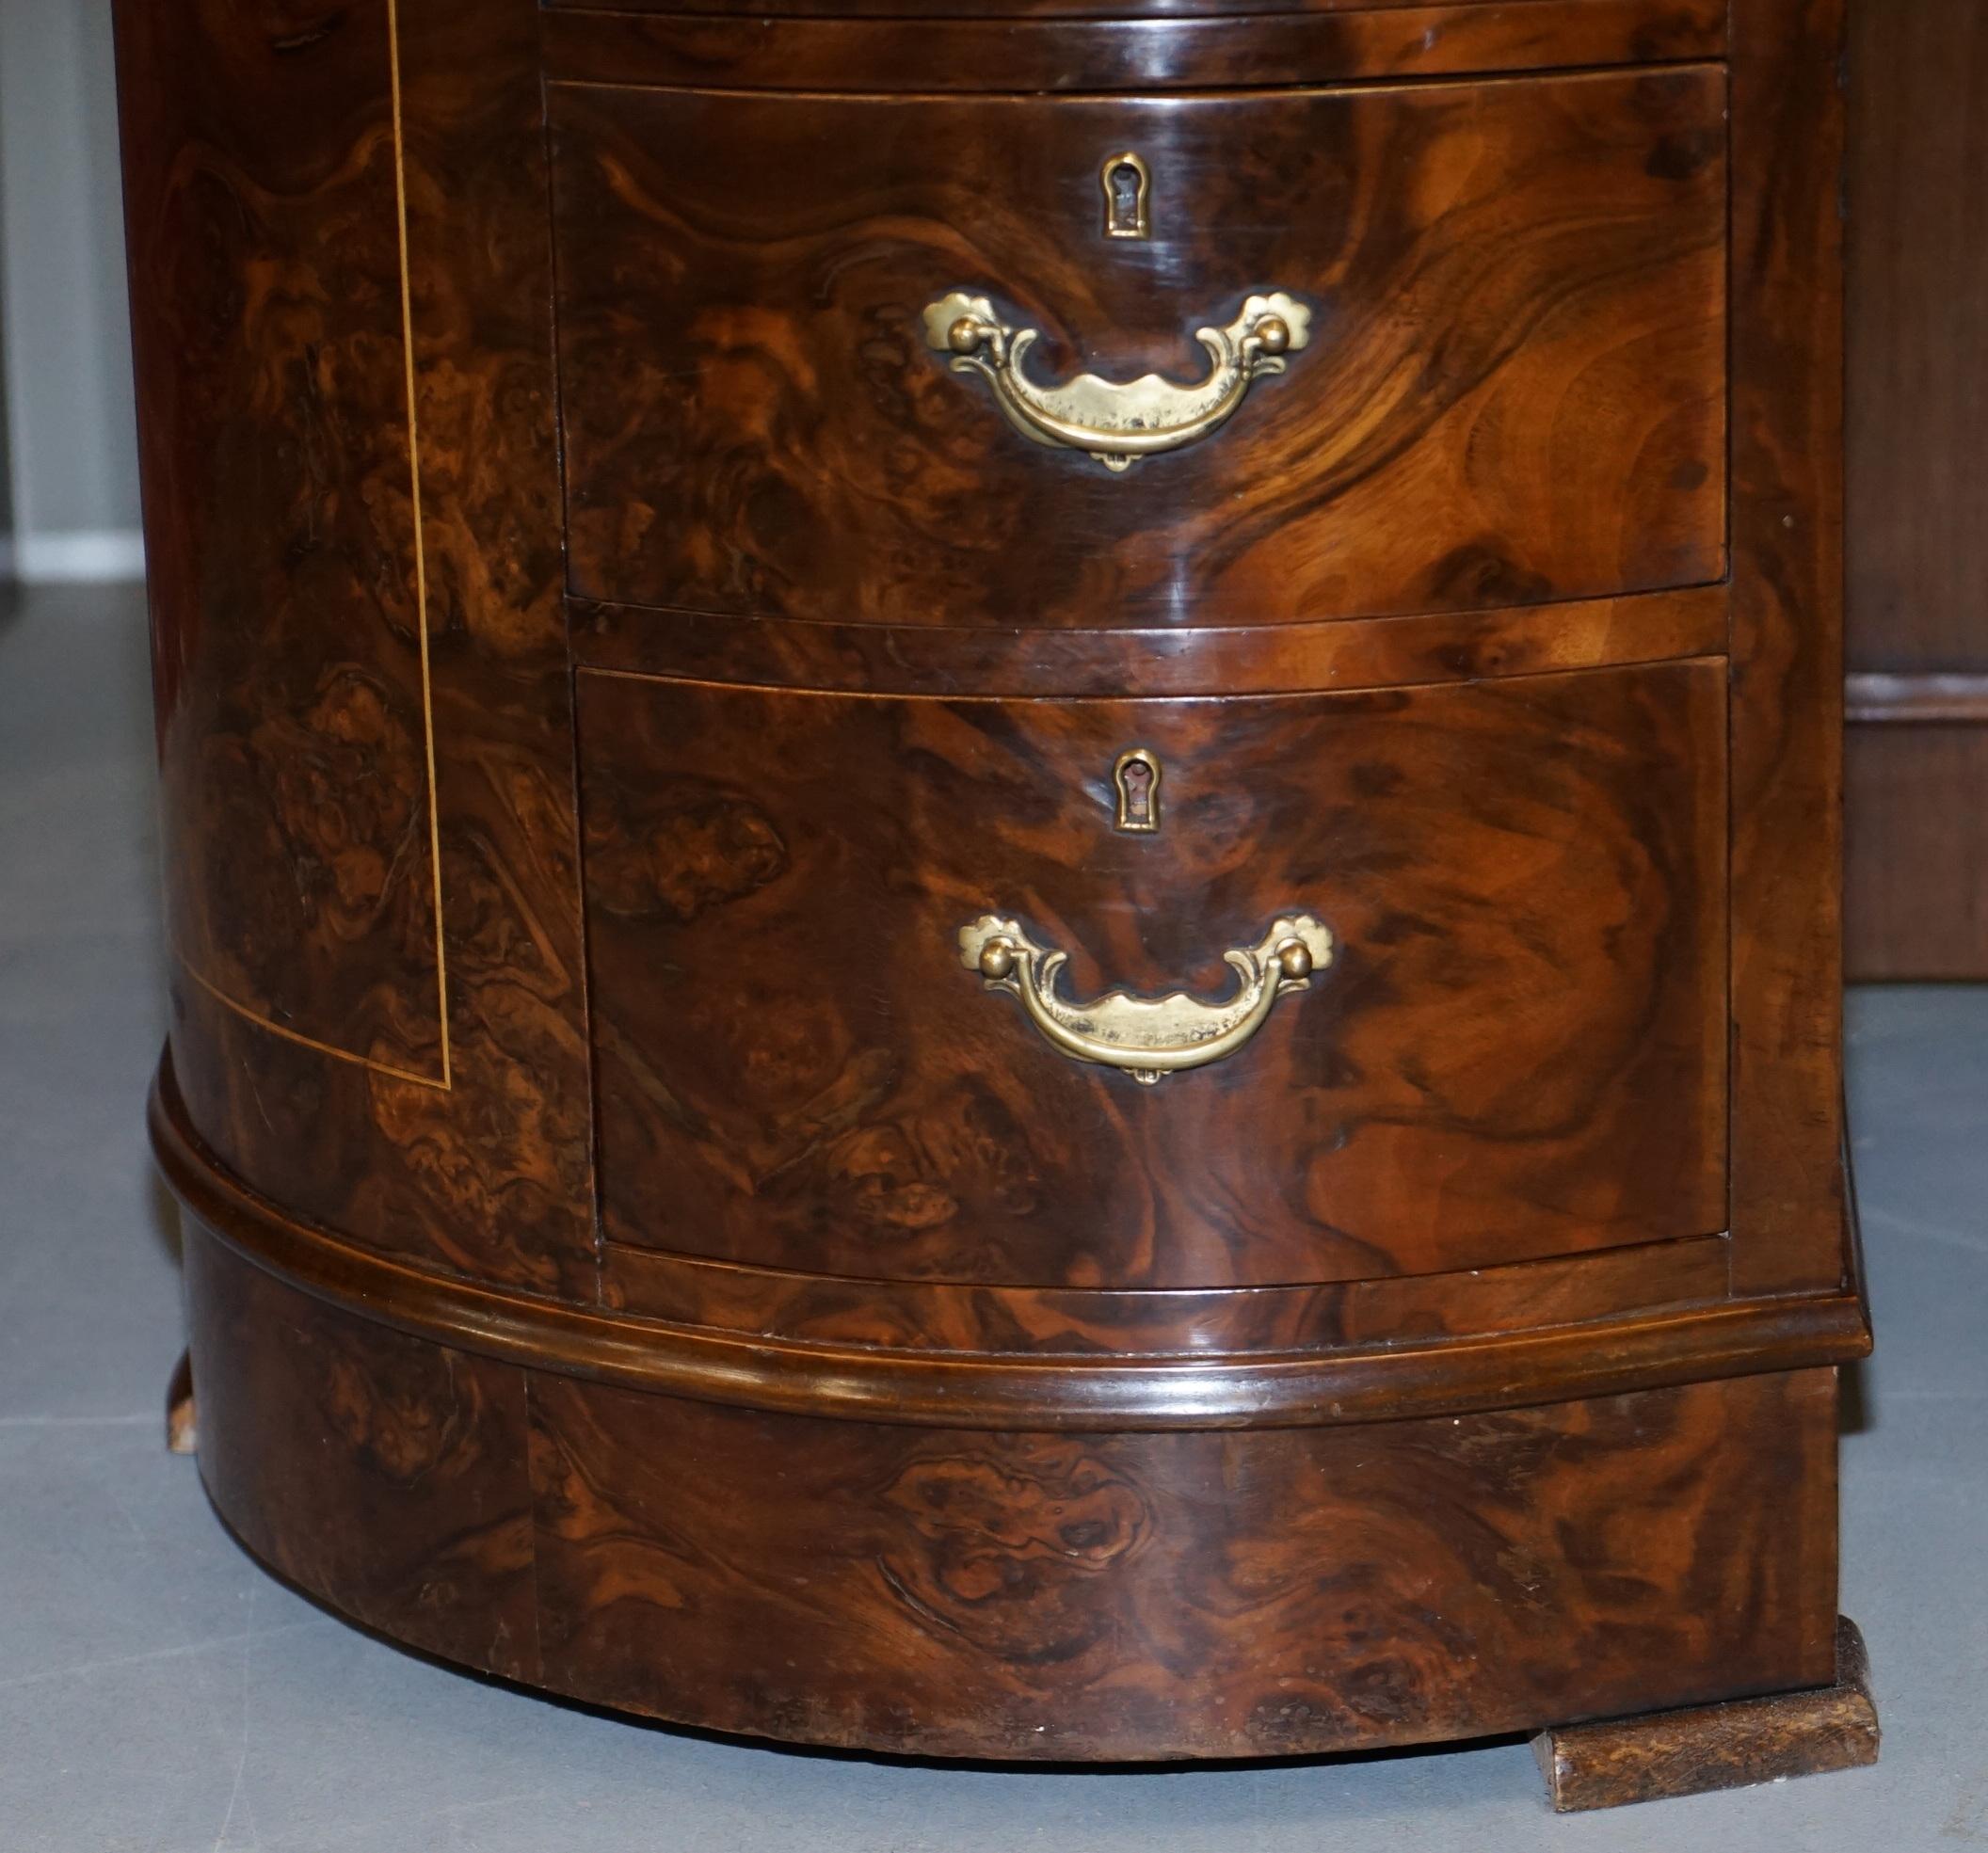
1136, 780
1127, 183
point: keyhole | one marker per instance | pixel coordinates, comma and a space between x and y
1128, 190
1138, 793
1125, 196
1137, 779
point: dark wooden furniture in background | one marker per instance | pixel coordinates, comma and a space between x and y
1916, 786
649, 666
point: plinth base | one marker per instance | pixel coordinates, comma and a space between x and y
582, 1500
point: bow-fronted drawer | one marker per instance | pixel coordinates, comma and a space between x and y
1158, 992
1092, 362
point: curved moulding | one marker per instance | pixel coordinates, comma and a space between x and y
988, 1390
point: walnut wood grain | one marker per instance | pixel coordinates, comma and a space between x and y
385, 1474
1105, 1596
507, 1157
267, 335
1734, 1744
1103, 1322
1269, 659
1524, 878
1515, 389
287, 578
1366, 1381
890, 1380
1127, 53
1024, 1595
1787, 1213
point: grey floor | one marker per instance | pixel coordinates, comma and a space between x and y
158, 1691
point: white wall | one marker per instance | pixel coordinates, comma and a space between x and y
73, 456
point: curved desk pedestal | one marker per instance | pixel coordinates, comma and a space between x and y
1001, 859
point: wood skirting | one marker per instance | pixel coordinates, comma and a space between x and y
1917, 700
956, 1591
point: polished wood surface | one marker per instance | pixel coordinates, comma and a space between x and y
1194, 659
1917, 891
1515, 389
1734, 1744
326, 661
1019, 1596
1523, 878
1153, 53
287, 650
628, 1250
1186, 1594
1013, 12
1076, 1383
1787, 1181
382, 1472
1205, 1323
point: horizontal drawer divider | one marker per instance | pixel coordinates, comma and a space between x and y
1053, 663
993, 56
1156, 1322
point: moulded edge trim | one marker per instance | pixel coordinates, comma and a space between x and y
979, 1390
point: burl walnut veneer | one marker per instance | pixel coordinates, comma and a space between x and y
1002, 856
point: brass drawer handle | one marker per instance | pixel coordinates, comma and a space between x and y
1119, 424
1148, 1036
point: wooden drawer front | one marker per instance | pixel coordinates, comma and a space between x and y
1514, 389
1517, 1051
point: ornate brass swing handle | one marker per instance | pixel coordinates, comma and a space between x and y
1149, 1037
1119, 424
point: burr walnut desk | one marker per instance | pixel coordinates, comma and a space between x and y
1002, 856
